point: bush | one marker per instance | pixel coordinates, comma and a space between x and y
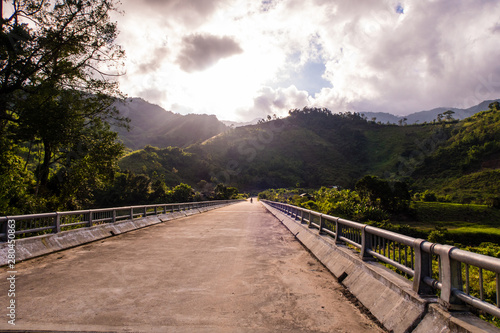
494, 202
310, 205
440, 235
429, 196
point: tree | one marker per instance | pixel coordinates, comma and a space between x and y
159, 192
225, 193
449, 115
181, 193
90, 166
53, 90
62, 123
495, 106
64, 46
127, 189
390, 196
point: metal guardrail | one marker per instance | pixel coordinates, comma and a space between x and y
431, 266
39, 224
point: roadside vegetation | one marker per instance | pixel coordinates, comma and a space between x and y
465, 225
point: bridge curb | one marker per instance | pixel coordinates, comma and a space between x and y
387, 295
28, 248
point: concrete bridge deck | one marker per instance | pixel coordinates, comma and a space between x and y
233, 269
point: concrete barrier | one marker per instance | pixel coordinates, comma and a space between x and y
27, 248
386, 294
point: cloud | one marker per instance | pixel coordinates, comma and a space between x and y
496, 28
269, 101
397, 56
406, 62
158, 56
200, 52
153, 94
188, 13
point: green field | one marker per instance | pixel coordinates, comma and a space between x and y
465, 224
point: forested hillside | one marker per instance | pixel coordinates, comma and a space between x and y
465, 167
310, 148
171, 165
152, 125
314, 147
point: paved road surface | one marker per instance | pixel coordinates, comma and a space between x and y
233, 269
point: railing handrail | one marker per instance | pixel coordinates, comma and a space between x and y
100, 210
31, 225
378, 243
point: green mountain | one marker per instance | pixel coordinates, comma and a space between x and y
172, 165
314, 147
465, 167
152, 125
310, 148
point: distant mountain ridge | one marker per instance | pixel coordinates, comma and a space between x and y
152, 125
315, 147
428, 116
231, 123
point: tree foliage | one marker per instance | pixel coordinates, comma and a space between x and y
55, 102
392, 196
342, 203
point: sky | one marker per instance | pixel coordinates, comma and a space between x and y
246, 59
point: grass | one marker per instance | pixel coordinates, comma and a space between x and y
465, 224
453, 213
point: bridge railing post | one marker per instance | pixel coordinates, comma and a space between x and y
89, 222
5, 229
450, 272
57, 223
131, 213
113, 218
321, 224
301, 216
338, 231
422, 268
366, 244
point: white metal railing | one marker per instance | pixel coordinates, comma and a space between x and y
39, 224
431, 266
